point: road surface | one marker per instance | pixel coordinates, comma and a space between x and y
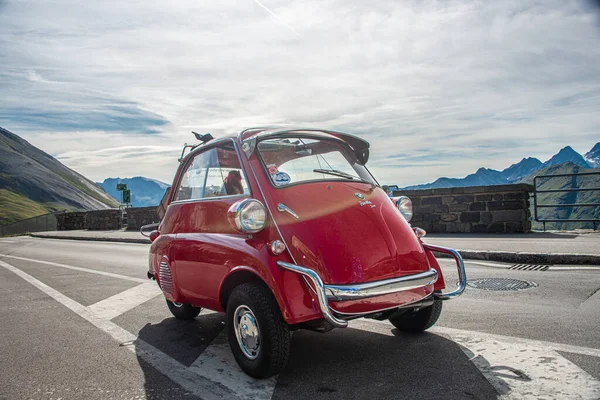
79, 320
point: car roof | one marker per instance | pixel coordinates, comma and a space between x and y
358, 145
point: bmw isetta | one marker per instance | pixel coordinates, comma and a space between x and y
286, 229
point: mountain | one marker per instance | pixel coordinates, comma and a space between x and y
33, 182
483, 176
592, 157
567, 154
518, 171
521, 169
579, 197
144, 191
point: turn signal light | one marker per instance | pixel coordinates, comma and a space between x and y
277, 247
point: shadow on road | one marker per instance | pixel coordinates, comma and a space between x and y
341, 364
356, 364
183, 341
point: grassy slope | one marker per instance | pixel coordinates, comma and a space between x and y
16, 207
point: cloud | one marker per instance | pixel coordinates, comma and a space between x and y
439, 88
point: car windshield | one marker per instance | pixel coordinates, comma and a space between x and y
296, 160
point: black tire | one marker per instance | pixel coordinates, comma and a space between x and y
273, 333
183, 311
416, 322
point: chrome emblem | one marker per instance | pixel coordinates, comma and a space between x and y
359, 196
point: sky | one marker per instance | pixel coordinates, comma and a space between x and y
439, 88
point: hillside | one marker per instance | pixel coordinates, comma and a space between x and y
144, 191
33, 182
567, 182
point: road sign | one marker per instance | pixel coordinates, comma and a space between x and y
121, 186
126, 196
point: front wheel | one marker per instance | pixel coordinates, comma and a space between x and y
258, 336
419, 321
183, 311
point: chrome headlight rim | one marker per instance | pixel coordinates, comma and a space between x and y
404, 205
236, 213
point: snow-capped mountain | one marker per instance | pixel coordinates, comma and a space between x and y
592, 157
518, 171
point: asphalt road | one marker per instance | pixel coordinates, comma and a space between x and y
80, 321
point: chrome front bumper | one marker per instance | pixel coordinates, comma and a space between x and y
326, 293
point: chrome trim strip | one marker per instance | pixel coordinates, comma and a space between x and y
326, 293
460, 265
283, 208
380, 288
229, 196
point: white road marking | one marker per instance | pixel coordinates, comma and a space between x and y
574, 268
7, 241
567, 348
122, 302
177, 372
217, 364
519, 371
518, 368
91, 271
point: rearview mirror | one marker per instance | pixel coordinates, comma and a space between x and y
303, 151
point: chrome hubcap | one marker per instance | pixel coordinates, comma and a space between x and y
176, 304
246, 331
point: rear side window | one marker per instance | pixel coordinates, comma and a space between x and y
215, 172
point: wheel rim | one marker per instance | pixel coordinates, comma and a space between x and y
178, 305
246, 331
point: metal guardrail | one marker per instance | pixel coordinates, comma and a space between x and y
41, 223
537, 205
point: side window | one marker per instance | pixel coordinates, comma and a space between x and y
213, 173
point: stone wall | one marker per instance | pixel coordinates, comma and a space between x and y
473, 209
139, 216
70, 221
103, 220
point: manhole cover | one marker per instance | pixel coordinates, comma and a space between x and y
500, 284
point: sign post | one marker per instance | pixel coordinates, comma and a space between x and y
125, 193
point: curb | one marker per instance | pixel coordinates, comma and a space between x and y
482, 255
528, 258
93, 239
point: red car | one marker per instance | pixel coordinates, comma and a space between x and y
286, 229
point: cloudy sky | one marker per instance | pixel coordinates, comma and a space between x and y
439, 88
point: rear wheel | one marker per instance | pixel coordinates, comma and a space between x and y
183, 311
258, 336
419, 321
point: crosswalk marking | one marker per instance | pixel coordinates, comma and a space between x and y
91, 271
517, 368
122, 302
217, 364
169, 367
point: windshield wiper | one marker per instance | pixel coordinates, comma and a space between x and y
335, 172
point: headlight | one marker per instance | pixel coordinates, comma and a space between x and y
248, 215
405, 206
